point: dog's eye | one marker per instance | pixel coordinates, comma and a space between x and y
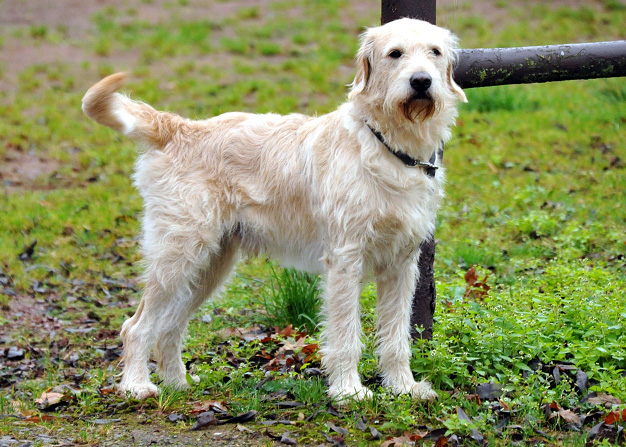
395, 54
436, 51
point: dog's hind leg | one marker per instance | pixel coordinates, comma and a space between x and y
342, 345
175, 261
395, 288
138, 337
170, 334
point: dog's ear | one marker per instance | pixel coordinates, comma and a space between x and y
458, 91
452, 60
363, 66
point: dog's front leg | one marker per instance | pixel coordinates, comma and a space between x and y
395, 286
342, 345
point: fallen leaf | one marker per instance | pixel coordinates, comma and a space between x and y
581, 381
567, 415
241, 428
106, 391
336, 441
470, 276
476, 436
38, 419
15, 353
173, 417
333, 411
601, 431
204, 420
602, 399
240, 418
51, 401
290, 404
312, 372
615, 416
360, 424
340, 430
310, 349
400, 441
285, 439
286, 332
49, 398
209, 405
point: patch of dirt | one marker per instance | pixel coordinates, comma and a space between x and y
135, 430
448, 11
25, 170
26, 311
72, 19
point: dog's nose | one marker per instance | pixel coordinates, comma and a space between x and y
421, 81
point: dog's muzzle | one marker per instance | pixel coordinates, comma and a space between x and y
420, 102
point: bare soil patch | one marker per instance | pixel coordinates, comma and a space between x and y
25, 170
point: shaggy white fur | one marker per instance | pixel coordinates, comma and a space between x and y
323, 194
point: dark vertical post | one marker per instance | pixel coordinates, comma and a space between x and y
424, 296
416, 9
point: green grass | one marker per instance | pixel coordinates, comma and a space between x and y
535, 184
292, 297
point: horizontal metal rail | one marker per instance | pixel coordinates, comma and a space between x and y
485, 67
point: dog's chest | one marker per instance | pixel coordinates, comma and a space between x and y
402, 225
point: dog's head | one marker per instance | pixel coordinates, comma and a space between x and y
404, 68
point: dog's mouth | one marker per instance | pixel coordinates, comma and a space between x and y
419, 106
421, 96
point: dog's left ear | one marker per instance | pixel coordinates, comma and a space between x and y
453, 46
458, 91
363, 66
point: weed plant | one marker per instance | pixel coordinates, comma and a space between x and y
292, 297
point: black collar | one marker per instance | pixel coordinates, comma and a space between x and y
429, 166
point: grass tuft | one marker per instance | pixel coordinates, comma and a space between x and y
292, 297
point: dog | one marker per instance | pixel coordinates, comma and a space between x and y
351, 195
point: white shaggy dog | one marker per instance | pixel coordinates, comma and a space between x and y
348, 194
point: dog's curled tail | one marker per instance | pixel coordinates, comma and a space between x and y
135, 119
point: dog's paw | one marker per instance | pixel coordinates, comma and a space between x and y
423, 391
418, 390
183, 383
139, 391
342, 395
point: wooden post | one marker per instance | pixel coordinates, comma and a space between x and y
424, 296
416, 9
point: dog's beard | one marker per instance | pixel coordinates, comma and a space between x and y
419, 107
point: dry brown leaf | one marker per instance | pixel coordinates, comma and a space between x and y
286, 332
399, 441
310, 349
568, 416
214, 405
604, 399
470, 276
615, 416
38, 419
106, 391
49, 399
